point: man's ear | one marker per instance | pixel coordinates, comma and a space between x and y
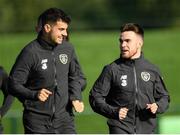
47, 28
140, 42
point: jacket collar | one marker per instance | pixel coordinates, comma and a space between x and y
45, 44
130, 61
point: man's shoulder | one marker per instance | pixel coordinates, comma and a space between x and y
29, 49
116, 63
1, 70
151, 66
31, 46
3, 73
67, 45
112, 65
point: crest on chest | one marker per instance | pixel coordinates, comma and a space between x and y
63, 58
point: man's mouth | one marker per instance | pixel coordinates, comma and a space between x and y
60, 39
124, 51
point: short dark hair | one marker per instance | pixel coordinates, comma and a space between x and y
52, 15
132, 27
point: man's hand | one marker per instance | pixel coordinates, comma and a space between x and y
123, 113
152, 107
78, 106
43, 94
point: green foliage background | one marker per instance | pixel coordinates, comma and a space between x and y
21, 15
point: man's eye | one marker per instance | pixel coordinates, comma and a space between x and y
127, 40
120, 40
61, 29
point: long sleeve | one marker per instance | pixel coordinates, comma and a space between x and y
161, 95
98, 93
19, 75
77, 80
8, 99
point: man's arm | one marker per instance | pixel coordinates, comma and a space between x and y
98, 95
161, 95
77, 83
8, 99
19, 75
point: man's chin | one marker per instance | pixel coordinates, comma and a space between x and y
125, 56
59, 42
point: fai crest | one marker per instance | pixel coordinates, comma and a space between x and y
63, 58
145, 76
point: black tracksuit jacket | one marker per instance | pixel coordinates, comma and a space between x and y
7, 98
131, 84
56, 68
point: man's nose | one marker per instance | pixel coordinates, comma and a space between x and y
65, 33
123, 44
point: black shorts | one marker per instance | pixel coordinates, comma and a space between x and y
40, 124
116, 130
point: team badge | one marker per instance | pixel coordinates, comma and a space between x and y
145, 76
63, 58
44, 64
123, 80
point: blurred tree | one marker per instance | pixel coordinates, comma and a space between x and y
149, 13
21, 15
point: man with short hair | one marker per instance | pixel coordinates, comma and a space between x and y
47, 77
130, 91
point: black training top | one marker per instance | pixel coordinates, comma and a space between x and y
56, 68
132, 84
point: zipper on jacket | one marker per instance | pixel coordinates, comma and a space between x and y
136, 92
55, 71
55, 84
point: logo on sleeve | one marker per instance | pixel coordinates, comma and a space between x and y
145, 76
63, 58
44, 64
123, 80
